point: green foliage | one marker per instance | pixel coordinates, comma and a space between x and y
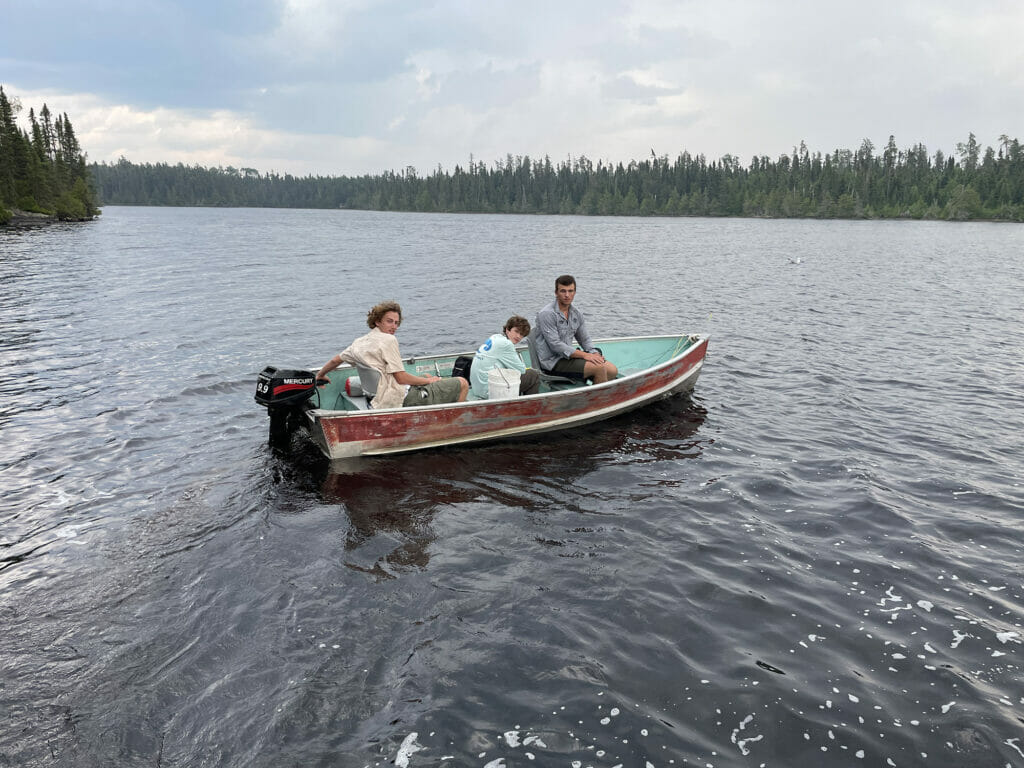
964, 204
844, 184
44, 170
69, 207
28, 203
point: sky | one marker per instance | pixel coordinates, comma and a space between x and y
350, 87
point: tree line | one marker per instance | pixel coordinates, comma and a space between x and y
972, 183
42, 170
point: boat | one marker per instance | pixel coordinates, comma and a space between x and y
338, 418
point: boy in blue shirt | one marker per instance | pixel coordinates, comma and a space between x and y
499, 351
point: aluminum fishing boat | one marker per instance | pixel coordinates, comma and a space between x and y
340, 420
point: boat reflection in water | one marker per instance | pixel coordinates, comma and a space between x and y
396, 497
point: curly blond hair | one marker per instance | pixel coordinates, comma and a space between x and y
376, 314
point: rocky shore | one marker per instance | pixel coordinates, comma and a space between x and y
20, 218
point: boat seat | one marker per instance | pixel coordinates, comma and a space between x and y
545, 378
369, 379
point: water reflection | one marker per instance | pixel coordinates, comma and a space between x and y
389, 497
391, 501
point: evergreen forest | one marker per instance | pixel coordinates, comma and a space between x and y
43, 171
971, 184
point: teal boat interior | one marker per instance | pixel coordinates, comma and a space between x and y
630, 355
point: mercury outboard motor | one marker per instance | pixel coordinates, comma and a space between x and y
283, 393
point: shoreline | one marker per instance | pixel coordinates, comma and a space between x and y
20, 218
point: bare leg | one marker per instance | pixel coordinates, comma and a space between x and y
600, 372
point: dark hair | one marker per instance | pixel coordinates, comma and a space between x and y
518, 322
376, 314
564, 280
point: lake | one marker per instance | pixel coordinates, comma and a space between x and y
815, 559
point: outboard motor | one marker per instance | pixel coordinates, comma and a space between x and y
283, 393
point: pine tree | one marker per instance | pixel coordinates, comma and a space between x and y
43, 171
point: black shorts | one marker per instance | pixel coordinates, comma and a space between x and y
570, 367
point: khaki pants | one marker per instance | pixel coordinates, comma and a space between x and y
443, 391
529, 382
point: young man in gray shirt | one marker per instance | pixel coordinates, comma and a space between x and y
559, 326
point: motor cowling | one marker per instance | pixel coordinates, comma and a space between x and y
278, 387
282, 391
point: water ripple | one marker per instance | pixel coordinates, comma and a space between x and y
811, 561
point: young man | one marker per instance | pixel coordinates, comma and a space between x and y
499, 351
559, 325
379, 350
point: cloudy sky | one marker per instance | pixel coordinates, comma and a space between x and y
343, 87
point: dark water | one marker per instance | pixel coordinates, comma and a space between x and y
815, 560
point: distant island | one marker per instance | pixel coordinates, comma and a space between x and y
974, 185
43, 174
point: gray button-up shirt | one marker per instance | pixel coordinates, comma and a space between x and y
555, 335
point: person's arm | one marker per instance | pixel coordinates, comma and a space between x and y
393, 366
509, 358
583, 336
587, 350
329, 366
590, 357
405, 378
345, 356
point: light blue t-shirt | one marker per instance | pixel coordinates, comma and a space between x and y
496, 352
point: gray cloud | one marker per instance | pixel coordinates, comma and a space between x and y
395, 83
623, 87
